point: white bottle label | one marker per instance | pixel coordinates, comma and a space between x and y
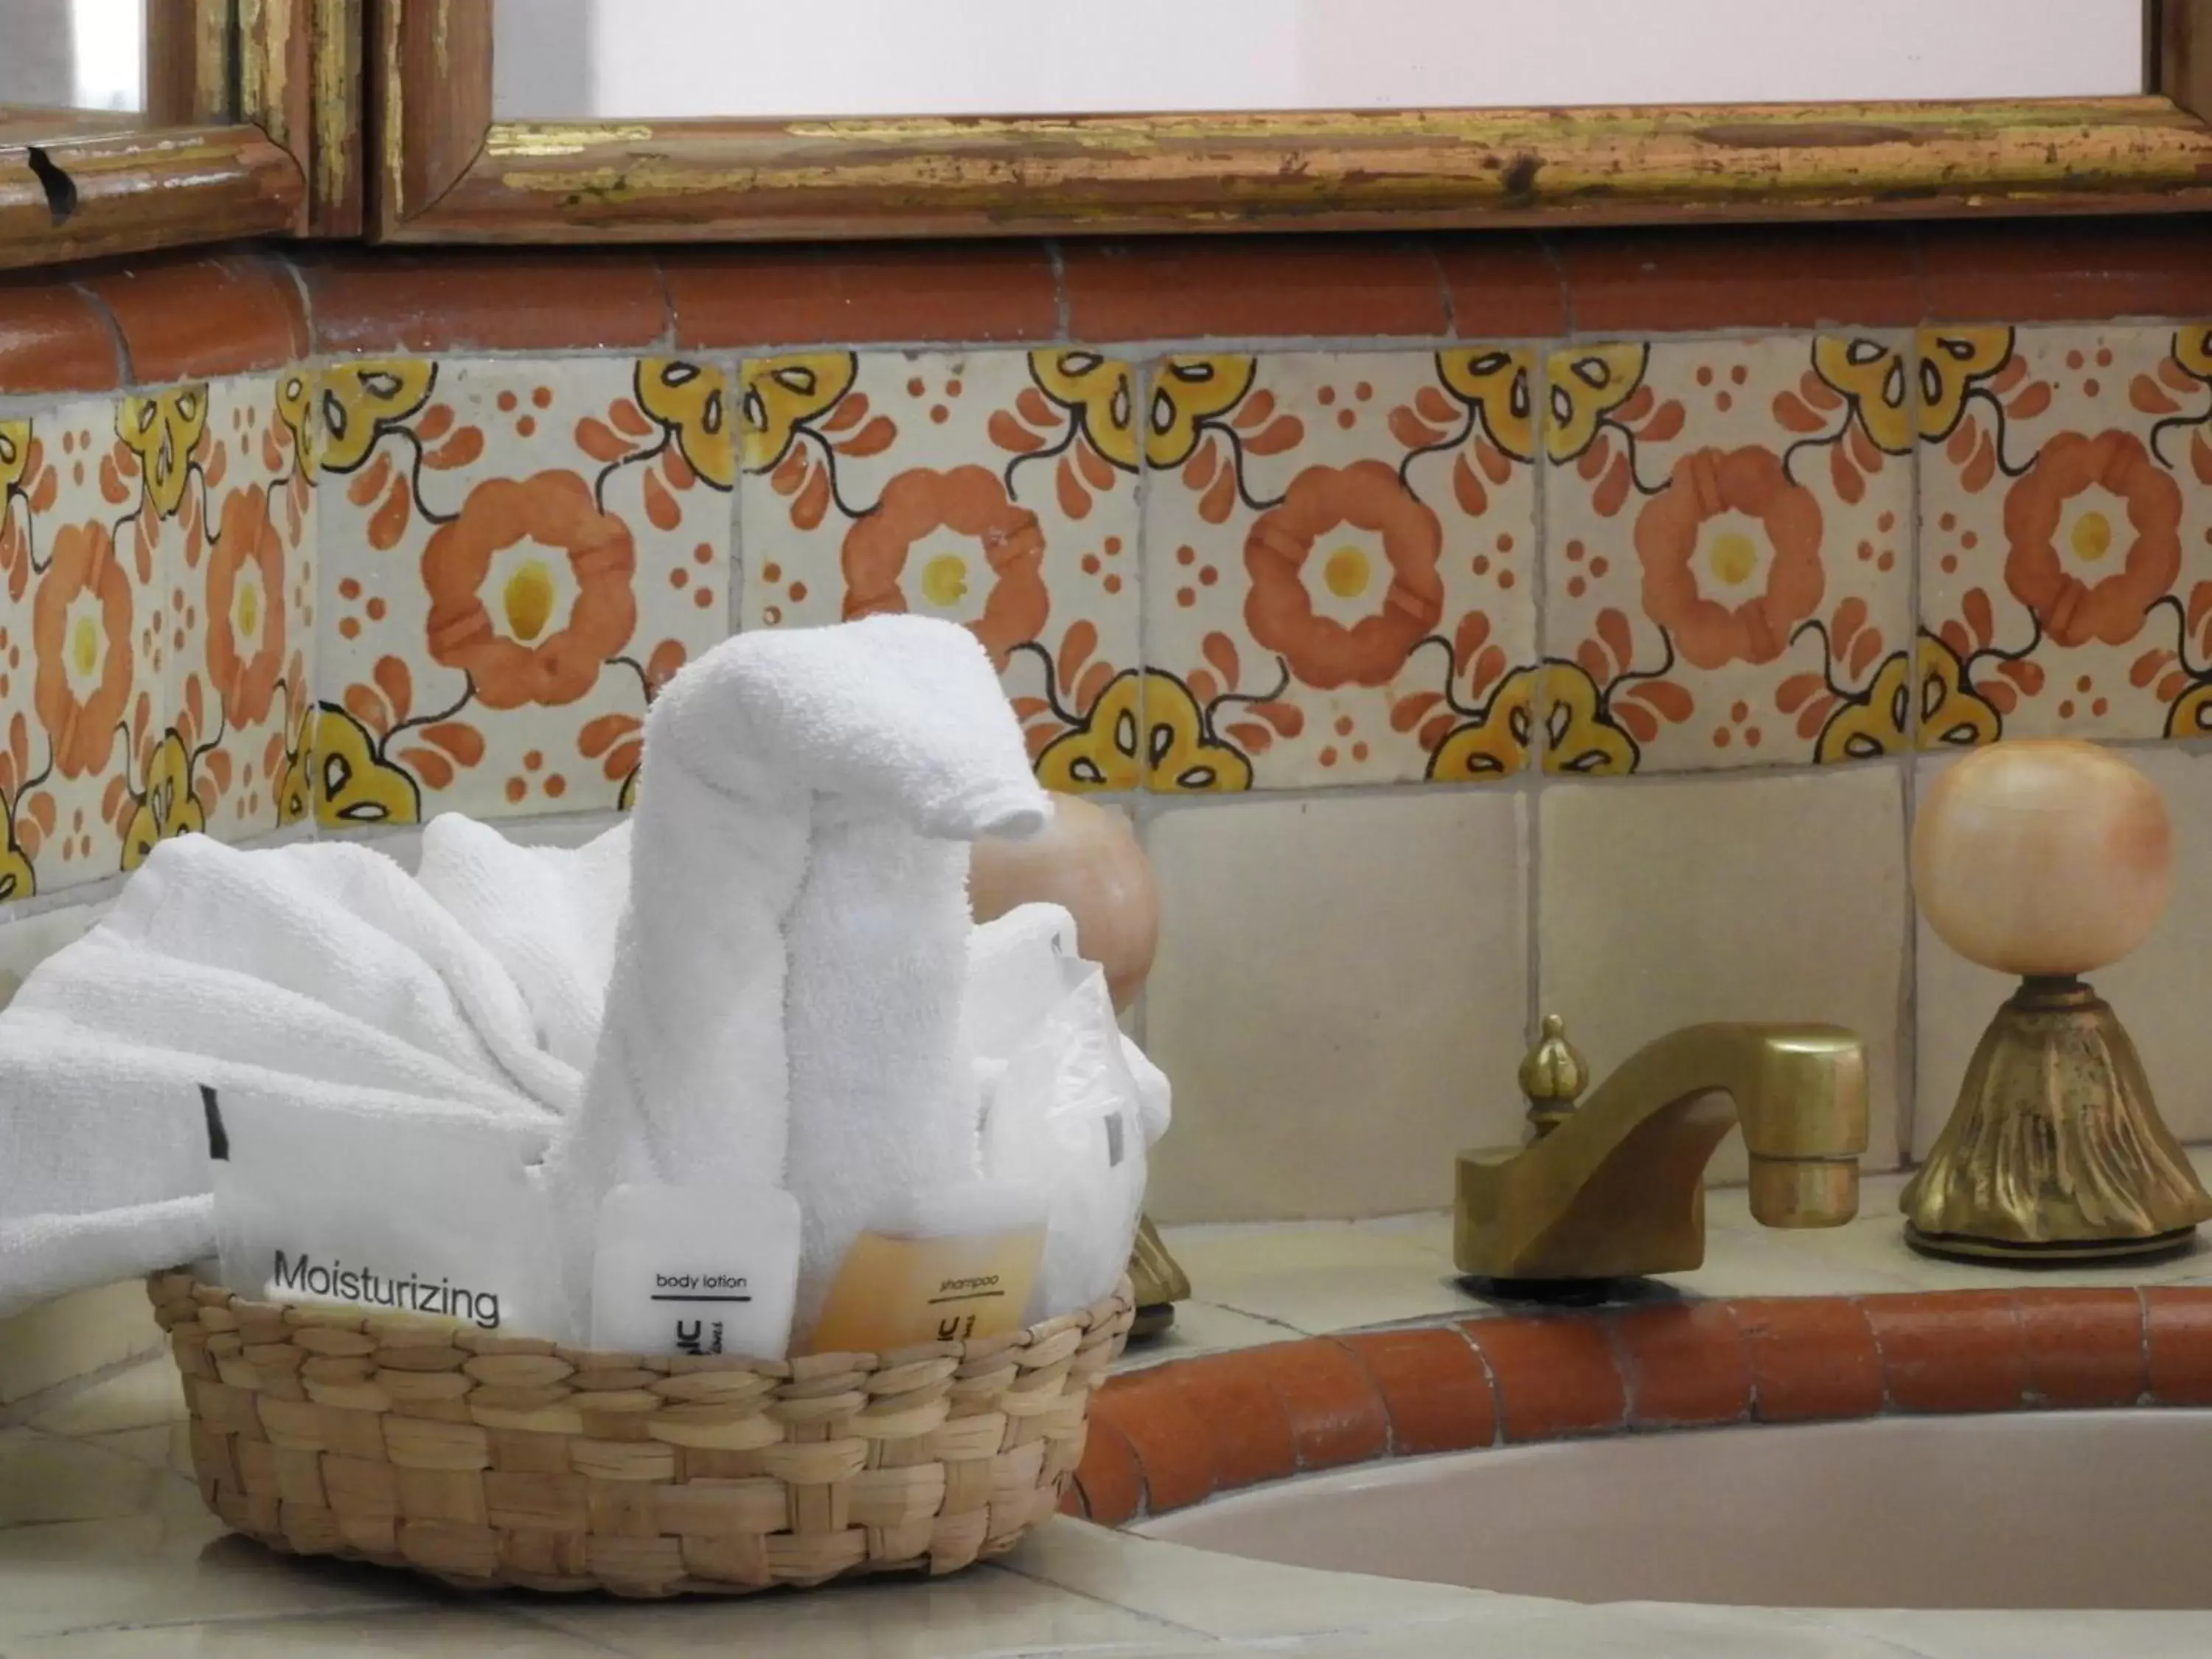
696, 1271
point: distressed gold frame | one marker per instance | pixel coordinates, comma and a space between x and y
252, 128
444, 170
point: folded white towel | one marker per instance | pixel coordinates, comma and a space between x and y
547, 914
730, 1050
320, 972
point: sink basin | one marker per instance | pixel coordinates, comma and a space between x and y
2079, 1510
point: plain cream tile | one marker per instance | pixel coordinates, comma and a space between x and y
1225, 1596
2044, 1634
1340, 998
73, 1336
24, 945
983, 1611
1664, 904
1202, 1328
2158, 992
482, 1632
142, 1397
171, 1561
45, 1480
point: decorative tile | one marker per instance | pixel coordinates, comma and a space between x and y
994, 489
240, 592
520, 553
2066, 533
82, 633
1340, 995
1339, 550
1728, 532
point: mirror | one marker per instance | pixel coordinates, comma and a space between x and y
745, 59
68, 66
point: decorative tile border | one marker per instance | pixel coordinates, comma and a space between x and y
1172, 1436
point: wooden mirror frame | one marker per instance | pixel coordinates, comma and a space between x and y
445, 170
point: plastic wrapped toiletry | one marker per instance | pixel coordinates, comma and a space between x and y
377, 1200
696, 1270
1068, 1116
952, 1266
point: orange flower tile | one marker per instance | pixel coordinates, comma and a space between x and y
91, 548
1186, 288
1954, 1351
2179, 1326
240, 593
53, 337
997, 490
1554, 1377
1433, 1386
1727, 529
851, 294
1338, 582
1235, 1395
1173, 1442
1810, 1358
199, 318
1741, 278
1685, 1365
472, 299
2066, 532
2085, 1347
1335, 1414
521, 554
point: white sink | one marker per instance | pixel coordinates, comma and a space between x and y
2074, 1510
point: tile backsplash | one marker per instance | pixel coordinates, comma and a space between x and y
1584, 669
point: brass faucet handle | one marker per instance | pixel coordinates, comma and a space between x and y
1553, 1076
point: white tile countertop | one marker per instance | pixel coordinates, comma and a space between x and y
107, 1553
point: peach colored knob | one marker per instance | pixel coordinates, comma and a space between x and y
1089, 860
2042, 857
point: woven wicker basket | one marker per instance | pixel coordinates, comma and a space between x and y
491, 1461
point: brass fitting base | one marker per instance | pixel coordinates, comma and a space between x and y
2056, 1151
1158, 1279
2059, 1254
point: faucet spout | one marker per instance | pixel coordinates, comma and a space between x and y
1617, 1188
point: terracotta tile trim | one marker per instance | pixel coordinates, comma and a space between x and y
1172, 1436
211, 311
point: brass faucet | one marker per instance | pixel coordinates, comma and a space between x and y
1614, 1188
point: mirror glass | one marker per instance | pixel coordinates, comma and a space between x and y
621, 60
61, 58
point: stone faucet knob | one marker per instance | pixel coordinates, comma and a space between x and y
2043, 858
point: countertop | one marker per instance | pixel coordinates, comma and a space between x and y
107, 1553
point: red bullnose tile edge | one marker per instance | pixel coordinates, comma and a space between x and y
1175, 287
747, 298
1810, 1359
1180, 1432
1554, 1377
488, 300
2179, 1326
1435, 1391
192, 318
1960, 1350
1686, 1365
54, 337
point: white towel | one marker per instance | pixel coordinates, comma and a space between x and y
318, 970
548, 915
729, 1052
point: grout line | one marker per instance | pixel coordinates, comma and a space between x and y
1062, 307
1531, 827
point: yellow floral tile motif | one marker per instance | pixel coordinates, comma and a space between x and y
997, 490
521, 554
1339, 554
1728, 526
2066, 534
156, 588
